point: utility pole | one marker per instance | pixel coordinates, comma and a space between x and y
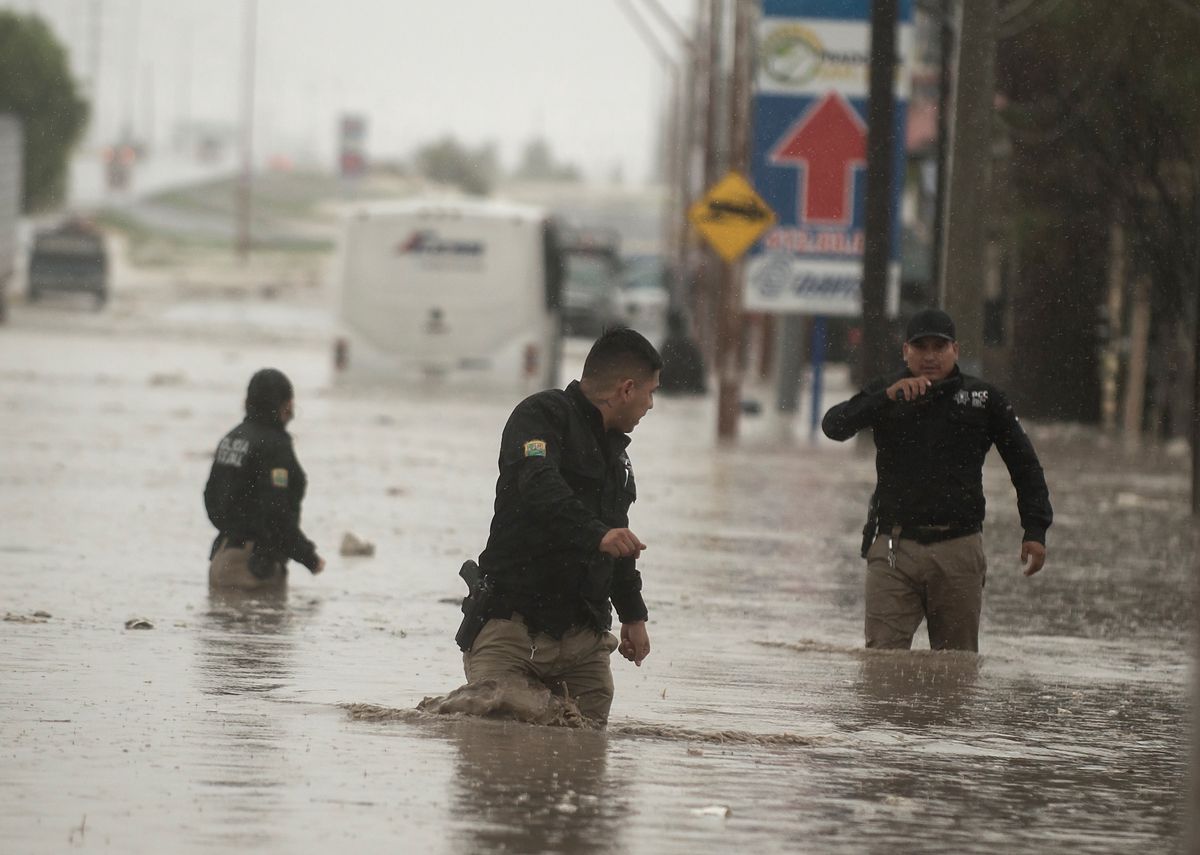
729, 304
709, 284
244, 181
877, 250
967, 177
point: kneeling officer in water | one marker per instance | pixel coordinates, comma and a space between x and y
254, 493
560, 548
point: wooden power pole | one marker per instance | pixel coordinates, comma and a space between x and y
729, 304
877, 252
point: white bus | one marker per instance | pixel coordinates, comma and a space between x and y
461, 293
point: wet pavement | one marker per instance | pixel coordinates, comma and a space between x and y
757, 724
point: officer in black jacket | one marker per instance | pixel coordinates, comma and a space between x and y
560, 547
254, 493
933, 426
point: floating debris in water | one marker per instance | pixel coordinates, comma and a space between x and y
353, 546
719, 811
36, 617
138, 623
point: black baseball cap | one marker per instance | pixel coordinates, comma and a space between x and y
929, 322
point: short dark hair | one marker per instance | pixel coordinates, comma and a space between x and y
621, 353
269, 390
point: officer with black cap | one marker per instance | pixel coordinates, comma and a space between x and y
933, 426
254, 493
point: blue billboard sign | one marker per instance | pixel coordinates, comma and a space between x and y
810, 154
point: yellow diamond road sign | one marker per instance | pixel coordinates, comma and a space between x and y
731, 216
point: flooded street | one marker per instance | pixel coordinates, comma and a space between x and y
757, 724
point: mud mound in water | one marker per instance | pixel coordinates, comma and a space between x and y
372, 712
513, 700
718, 737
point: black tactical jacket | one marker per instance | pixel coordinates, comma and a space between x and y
930, 452
564, 482
254, 493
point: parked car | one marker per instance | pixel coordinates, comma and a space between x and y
591, 282
645, 297
71, 257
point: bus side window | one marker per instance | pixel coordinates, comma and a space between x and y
553, 265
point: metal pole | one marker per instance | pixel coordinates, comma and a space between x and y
790, 363
243, 240
729, 322
818, 375
880, 153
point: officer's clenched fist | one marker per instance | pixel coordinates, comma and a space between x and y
908, 388
621, 543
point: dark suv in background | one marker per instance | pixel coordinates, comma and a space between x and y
70, 257
591, 280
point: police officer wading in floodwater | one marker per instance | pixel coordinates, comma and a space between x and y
254, 493
933, 426
560, 548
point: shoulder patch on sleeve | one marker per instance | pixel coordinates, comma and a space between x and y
535, 448
279, 477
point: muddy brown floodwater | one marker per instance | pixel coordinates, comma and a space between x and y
756, 725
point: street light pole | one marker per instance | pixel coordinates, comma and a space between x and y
243, 240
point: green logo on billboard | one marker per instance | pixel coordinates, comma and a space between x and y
792, 55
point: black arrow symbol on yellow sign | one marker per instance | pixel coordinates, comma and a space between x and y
750, 210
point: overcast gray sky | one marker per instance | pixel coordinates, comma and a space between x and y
504, 70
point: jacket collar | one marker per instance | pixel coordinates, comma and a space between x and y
613, 439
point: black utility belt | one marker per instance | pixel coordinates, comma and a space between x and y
928, 533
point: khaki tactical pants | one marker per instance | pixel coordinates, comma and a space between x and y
941, 582
230, 568
574, 666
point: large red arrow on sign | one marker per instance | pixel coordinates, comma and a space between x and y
830, 142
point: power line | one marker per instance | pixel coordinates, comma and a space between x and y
647, 34
667, 21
